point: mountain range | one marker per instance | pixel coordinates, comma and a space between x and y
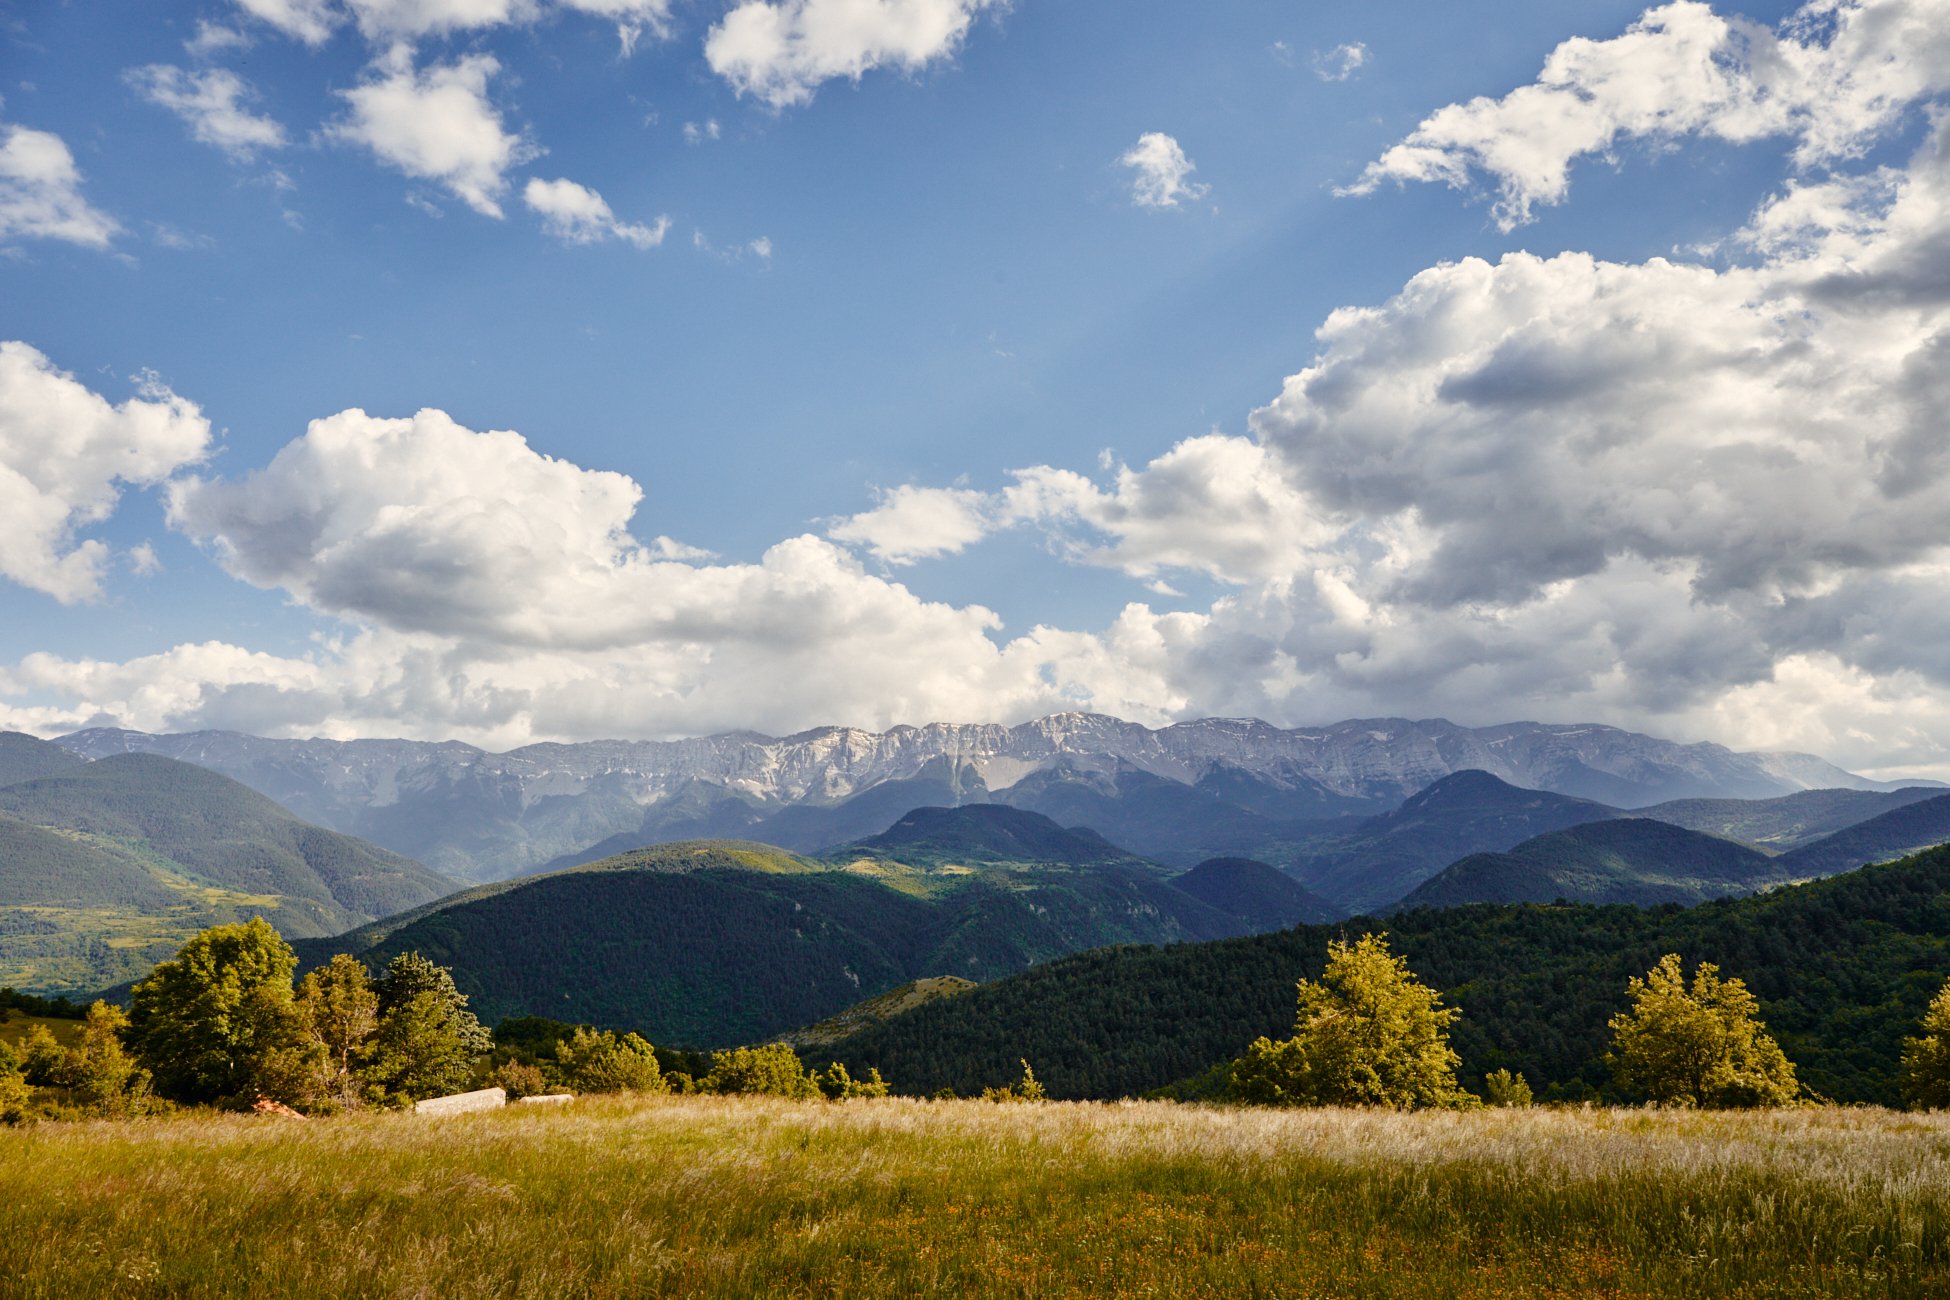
1177, 794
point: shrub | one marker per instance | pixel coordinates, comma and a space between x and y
1502, 1088
1926, 1059
771, 1071
602, 1062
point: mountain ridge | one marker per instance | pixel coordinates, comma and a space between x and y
480, 815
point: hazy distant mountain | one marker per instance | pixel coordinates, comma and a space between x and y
1377, 862
1625, 860
107, 866
1264, 896
1788, 822
1894, 834
1236, 785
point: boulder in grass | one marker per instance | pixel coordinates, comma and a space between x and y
462, 1103
545, 1099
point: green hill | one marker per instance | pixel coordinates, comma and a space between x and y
107, 866
1788, 822
1253, 891
1843, 967
1627, 860
1880, 839
875, 1010
24, 757
987, 834
712, 943
1383, 858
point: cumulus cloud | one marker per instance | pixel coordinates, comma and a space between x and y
63, 451
437, 124
780, 51
632, 17
913, 523
1163, 172
576, 214
40, 192
1833, 76
1341, 62
213, 103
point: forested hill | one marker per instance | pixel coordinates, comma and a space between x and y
106, 867
1843, 968
23, 757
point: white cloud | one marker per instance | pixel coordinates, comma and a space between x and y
63, 450
1163, 172
698, 133
576, 214
912, 523
213, 39
143, 560
437, 125
780, 51
212, 103
1834, 76
310, 21
632, 17
1341, 62
40, 192
761, 248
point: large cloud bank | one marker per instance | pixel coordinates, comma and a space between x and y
1711, 499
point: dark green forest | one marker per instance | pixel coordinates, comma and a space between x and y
1843, 968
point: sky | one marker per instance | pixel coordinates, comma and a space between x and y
513, 370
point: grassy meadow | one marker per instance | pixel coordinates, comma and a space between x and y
740, 1197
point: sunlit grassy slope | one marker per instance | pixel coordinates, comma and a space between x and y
736, 1197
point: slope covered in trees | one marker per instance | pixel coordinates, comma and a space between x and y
24, 757
106, 866
1843, 968
716, 942
1626, 860
1788, 821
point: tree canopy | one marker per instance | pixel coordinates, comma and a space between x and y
1368, 1034
1698, 1046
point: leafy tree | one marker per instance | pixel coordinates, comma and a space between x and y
1926, 1059
1368, 1034
838, 1085
205, 1022
99, 1072
42, 1059
340, 1010
1698, 1046
602, 1062
1502, 1088
15, 1095
426, 1039
771, 1071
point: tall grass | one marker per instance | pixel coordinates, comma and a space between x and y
737, 1197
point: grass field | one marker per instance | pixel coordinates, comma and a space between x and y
738, 1197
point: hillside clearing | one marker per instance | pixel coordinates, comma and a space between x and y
736, 1197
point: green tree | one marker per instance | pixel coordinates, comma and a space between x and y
772, 1071
1502, 1088
518, 1079
99, 1072
427, 1039
1697, 1046
205, 1022
1027, 1088
1368, 1034
15, 1095
1926, 1059
340, 1010
602, 1062
838, 1085
42, 1059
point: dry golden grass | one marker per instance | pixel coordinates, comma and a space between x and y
740, 1197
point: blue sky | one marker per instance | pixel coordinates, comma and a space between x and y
884, 361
